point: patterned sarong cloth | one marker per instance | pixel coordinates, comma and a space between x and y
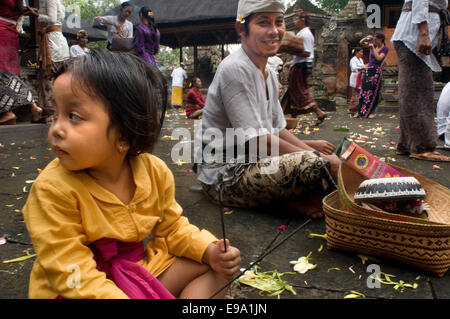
177, 95
14, 92
297, 99
370, 90
296, 175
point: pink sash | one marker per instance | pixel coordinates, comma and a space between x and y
119, 261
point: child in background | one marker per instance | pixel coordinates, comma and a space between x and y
91, 208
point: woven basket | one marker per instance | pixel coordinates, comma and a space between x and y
438, 197
424, 244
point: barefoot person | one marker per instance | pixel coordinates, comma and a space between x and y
371, 76
243, 99
415, 36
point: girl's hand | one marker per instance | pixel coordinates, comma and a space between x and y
224, 263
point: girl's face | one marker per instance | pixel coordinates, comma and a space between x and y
79, 134
359, 54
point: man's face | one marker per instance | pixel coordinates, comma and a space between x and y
266, 30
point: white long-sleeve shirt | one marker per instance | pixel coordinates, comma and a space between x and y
355, 65
52, 13
127, 27
407, 29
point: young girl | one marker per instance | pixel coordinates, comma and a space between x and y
91, 208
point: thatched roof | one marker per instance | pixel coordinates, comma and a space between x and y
199, 22
189, 23
175, 12
71, 33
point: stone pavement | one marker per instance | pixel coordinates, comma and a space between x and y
26, 151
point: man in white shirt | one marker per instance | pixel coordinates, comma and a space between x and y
299, 97
179, 76
80, 49
415, 36
248, 157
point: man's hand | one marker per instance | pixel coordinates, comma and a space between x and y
322, 146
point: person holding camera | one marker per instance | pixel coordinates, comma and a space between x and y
372, 75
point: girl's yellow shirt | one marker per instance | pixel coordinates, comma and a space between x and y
66, 211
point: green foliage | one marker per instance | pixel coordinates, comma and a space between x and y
332, 5
89, 9
170, 58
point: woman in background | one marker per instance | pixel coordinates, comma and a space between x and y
13, 91
147, 37
371, 78
356, 66
118, 26
54, 50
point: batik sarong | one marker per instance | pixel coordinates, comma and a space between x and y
370, 91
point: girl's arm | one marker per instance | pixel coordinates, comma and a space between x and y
182, 238
54, 223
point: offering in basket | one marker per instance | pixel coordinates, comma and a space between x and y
398, 195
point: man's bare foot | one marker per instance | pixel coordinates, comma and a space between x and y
310, 207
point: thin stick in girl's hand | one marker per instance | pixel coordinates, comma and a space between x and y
261, 258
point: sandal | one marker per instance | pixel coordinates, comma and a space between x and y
431, 156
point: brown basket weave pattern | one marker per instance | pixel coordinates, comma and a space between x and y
424, 246
422, 243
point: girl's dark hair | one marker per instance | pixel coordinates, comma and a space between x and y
380, 36
148, 14
356, 50
134, 93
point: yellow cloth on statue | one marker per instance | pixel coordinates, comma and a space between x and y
177, 95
